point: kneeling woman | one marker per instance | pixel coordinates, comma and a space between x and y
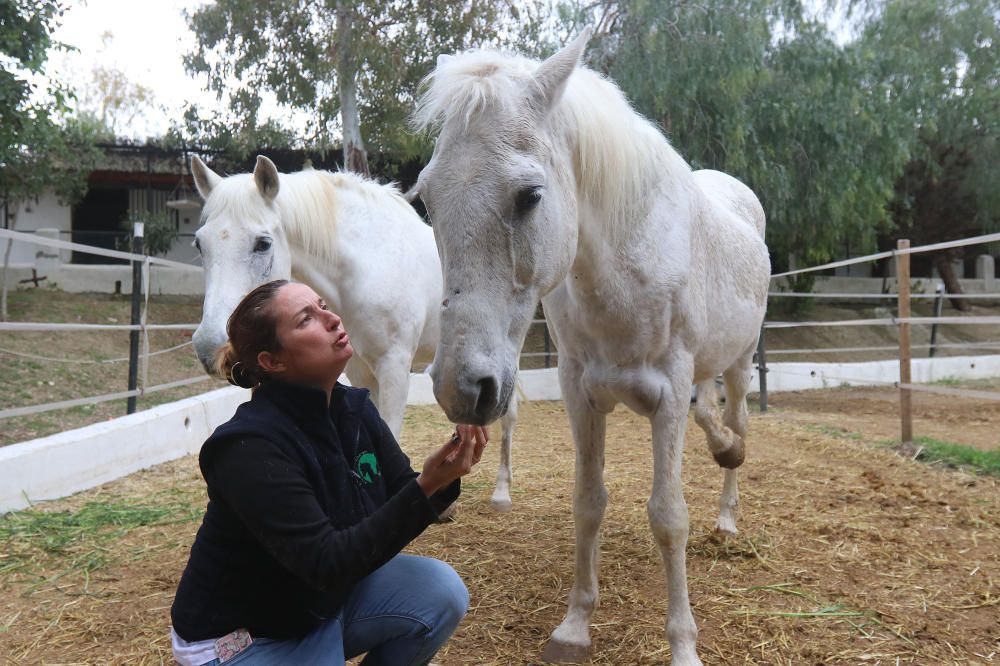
310, 501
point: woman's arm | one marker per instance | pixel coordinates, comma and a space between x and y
396, 468
275, 501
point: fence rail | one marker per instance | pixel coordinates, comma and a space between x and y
903, 321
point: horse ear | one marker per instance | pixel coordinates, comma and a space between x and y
265, 175
551, 76
204, 178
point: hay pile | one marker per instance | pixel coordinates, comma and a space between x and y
848, 554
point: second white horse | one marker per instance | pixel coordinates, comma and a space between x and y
358, 244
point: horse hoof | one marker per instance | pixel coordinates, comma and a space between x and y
726, 528
557, 652
732, 457
501, 504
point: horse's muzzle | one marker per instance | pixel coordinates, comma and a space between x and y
474, 398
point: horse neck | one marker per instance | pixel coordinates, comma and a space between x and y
624, 168
311, 210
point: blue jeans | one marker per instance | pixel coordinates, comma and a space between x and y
400, 614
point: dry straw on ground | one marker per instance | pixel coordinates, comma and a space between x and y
848, 554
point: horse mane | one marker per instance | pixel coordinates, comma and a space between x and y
618, 155
309, 204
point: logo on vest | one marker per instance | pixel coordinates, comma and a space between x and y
366, 467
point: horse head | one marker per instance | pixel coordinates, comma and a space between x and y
241, 242
501, 196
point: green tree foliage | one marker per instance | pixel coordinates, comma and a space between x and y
158, 233
40, 146
941, 61
891, 130
308, 54
760, 90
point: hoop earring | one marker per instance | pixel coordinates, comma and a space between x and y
232, 374
235, 381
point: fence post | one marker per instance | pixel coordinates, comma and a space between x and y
938, 306
762, 370
133, 336
903, 308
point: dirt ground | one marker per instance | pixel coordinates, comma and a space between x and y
848, 554
873, 413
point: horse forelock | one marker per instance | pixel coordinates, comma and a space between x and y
618, 156
235, 197
469, 84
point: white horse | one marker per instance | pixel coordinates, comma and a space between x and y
359, 244
546, 185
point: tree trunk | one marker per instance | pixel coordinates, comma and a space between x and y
942, 262
355, 156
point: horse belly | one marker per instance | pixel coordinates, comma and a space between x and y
735, 333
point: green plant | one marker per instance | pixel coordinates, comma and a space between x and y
986, 462
159, 232
970, 458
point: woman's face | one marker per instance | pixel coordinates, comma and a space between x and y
315, 348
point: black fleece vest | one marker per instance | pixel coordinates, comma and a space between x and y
230, 580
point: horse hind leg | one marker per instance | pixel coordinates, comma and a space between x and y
727, 447
735, 417
725, 444
505, 477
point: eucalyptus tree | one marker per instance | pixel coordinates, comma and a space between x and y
351, 67
941, 61
762, 90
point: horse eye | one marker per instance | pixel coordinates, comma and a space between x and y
263, 244
527, 199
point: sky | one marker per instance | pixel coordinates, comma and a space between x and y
149, 38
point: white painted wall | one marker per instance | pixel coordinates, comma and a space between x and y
84, 278
71, 461
47, 212
804, 376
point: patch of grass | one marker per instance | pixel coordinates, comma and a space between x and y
833, 431
862, 621
32, 534
957, 455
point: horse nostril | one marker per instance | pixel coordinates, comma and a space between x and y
487, 395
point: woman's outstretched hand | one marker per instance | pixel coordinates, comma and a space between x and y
453, 460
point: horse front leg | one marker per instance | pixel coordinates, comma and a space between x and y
392, 371
362, 376
570, 642
505, 475
668, 513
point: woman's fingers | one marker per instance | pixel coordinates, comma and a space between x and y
482, 437
458, 456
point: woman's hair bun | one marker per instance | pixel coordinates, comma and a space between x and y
228, 365
252, 329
